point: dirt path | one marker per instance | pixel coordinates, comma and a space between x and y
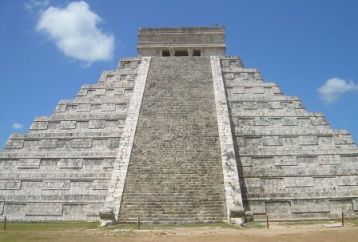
276, 233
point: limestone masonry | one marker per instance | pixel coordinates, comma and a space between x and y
179, 134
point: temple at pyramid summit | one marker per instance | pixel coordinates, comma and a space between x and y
180, 133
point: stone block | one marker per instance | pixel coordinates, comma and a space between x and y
71, 107
61, 108
2, 204
43, 209
258, 90
108, 107
307, 160
355, 204
246, 161
337, 206
253, 141
347, 181
29, 164
15, 144
249, 105
96, 124
83, 107
325, 141
113, 142
82, 125
319, 120
100, 185
107, 216
10, 184
285, 161
91, 210
325, 183
349, 158
70, 163
292, 104
81, 143
261, 121
329, 159
253, 182
121, 106
39, 125
237, 212
54, 125
128, 91
308, 140
257, 207
278, 208
55, 185
96, 107
82, 92
68, 124
275, 121
310, 206
103, 143
263, 161
272, 140
249, 217
299, 182
272, 185
48, 143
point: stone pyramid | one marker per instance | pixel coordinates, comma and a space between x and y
179, 134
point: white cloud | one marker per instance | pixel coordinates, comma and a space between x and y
35, 5
74, 31
335, 87
17, 126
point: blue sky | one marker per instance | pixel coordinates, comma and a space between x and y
309, 47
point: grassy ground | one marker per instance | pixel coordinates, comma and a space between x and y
254, 232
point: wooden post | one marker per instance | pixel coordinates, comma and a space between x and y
138, 222
267, 222
5, 223
342, 219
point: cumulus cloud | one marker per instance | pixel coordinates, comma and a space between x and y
35, 5
333, 88
17, 126
75, 32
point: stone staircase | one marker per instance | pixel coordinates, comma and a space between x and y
175, 172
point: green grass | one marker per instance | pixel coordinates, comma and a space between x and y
39, 231
76, 231
38, 226
89, 231
255, 225
352, 221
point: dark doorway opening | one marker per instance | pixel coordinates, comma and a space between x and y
196, 53
165, 53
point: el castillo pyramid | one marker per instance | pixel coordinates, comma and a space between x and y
179, 134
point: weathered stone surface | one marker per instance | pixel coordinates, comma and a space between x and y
292, 163
209, 41
234, 205
175, 172
107, 217
60, 170
202, 138
120, 166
